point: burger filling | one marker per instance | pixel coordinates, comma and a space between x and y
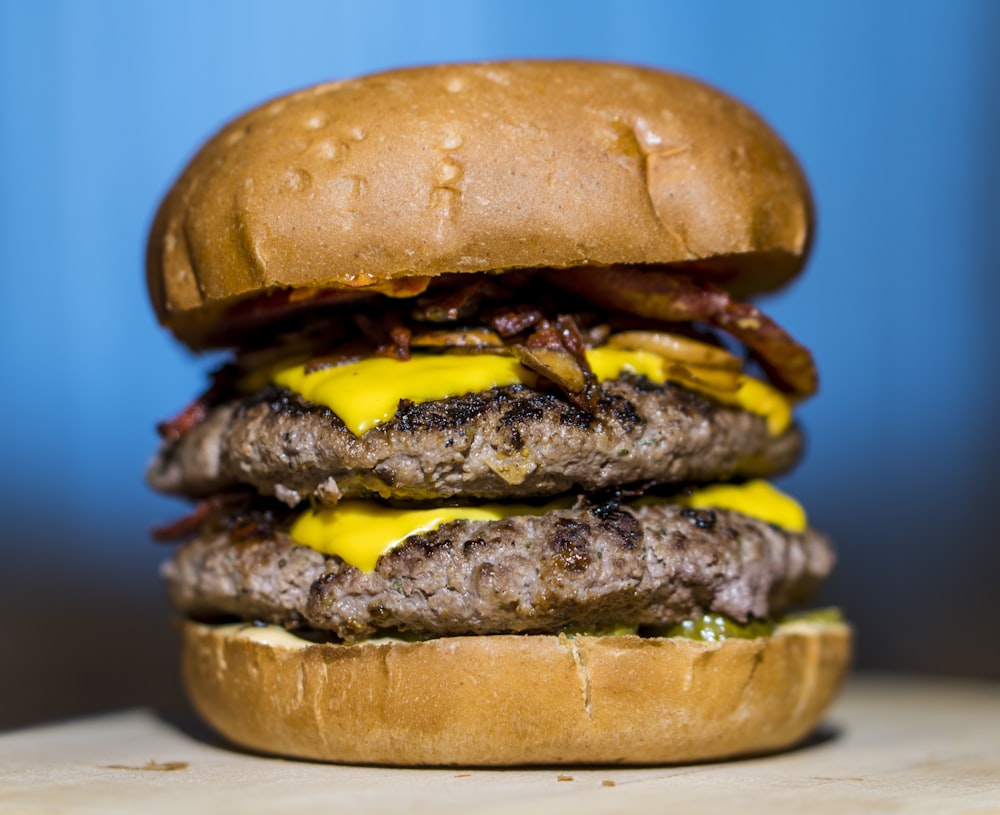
468, 463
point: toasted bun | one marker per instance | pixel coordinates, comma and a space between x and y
511, 700
409, 174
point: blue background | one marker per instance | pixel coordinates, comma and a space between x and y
893, 108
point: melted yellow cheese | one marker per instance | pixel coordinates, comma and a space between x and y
751, 394
366, 393
360, 532
757, 498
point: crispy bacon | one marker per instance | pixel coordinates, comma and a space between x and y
194, 414
399, 345
190, 524
459, 302
545, 335
674, 297
511, 321
572, 338
176, 428
787, 363
389, 335
244, 317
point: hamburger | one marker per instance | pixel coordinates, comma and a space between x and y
485, 478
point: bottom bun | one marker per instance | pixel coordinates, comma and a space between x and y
513, 699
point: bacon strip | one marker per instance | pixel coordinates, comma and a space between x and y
190, 524
176, 428
511, 321
787, 363
457, 303
399, 345
194, 414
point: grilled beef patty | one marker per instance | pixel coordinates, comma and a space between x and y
509, 442
591, 567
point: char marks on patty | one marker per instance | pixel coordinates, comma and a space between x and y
589, 567
510, 442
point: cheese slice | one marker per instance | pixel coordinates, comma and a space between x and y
757, 498
360, 532
366, 393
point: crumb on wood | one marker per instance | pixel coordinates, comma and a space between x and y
151, 766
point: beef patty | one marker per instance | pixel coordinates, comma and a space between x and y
653, 565
505, 443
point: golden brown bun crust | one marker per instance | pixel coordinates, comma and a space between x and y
510, 700
464, 168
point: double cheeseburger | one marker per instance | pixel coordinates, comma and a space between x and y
485, 480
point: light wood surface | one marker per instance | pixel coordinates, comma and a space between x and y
889, 745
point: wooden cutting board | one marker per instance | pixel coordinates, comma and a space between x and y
889, 745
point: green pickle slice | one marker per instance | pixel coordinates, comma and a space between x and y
718, 627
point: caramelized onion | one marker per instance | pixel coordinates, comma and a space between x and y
556, 364
675, 347
663, 295
459, 338
719, 379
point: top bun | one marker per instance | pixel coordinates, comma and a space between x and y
479, 167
